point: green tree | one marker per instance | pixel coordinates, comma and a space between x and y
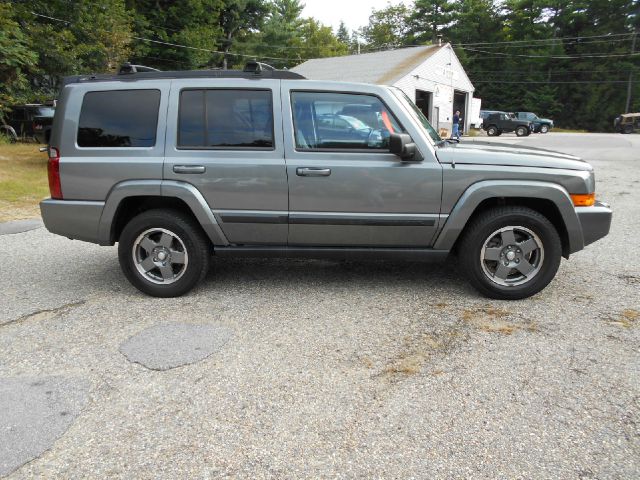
387, 28
429, 19
239, 19
280, 36
17, 58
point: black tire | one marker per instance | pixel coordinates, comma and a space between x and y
478, 268
492, 131
189, 239
522, 131
544, 128
627, 129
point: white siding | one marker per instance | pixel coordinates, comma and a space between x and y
440, 74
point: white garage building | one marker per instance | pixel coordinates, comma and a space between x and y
431, 75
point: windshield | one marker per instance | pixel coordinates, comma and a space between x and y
418, 113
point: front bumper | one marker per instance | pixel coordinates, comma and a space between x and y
77, 220
595, 221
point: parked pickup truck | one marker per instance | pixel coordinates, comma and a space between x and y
500, 122
540, 125
182, 167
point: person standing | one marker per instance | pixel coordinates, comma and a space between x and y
456, 125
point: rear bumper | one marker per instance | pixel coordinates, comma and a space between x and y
595, 221
77, 220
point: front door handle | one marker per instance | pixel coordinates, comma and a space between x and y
189, 169
313, 172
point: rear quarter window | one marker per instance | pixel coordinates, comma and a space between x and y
119, 118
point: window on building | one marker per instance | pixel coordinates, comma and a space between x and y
226, 119
119, 118
324, 120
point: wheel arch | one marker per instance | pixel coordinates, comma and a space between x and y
130, 198
551, 200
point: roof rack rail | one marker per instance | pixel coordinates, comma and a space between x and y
128, 67
130, 73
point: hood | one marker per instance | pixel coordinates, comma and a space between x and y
487, 153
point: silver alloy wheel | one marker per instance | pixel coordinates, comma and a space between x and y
160, 256
512, 256
544, 128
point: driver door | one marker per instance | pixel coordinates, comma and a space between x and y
345, 188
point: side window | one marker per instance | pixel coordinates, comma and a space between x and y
324, 120
119, 118
225, 119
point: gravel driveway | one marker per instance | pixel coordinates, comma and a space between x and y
322, 369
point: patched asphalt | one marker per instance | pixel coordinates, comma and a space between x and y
330, 369
163, 347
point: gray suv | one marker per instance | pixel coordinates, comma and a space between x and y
180, 167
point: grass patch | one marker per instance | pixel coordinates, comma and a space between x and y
567, 130
23, 180
493, 320
627, 318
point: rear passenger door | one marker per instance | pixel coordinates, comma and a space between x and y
225, 138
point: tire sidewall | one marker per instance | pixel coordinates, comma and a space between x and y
492, 131
183, 229
544, 129
552, 254
521, 131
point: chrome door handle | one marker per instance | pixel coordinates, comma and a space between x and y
313, 172
189, 169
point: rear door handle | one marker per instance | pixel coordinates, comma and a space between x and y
313, 172
189, 169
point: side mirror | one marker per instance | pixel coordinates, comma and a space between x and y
401, 145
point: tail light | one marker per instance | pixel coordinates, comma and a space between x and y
53, 168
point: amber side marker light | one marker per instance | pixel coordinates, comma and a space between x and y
584, 200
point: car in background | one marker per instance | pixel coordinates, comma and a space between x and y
627, 123
540, 125
498, 123
27, 122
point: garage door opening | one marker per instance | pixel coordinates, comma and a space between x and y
424, 101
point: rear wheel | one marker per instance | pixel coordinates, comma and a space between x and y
492, 131
163, 253
510, 253
522, 131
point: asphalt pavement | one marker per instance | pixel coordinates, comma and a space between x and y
326, 369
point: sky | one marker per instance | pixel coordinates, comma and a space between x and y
354, 13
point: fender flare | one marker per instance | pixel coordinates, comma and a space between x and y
186, 192
484, 190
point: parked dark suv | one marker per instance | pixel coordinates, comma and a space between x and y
540, 125
28, 122
500, 122
183, 167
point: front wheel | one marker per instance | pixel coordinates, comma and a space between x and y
544, 128
510, 253
163, 253
627, 129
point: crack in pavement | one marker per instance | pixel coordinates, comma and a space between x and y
45, 314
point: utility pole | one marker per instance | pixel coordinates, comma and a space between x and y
630, 84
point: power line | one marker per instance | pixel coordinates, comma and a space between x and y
552, 82
558, 57
543, 39
177, 45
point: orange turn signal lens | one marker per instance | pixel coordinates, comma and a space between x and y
584, 200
